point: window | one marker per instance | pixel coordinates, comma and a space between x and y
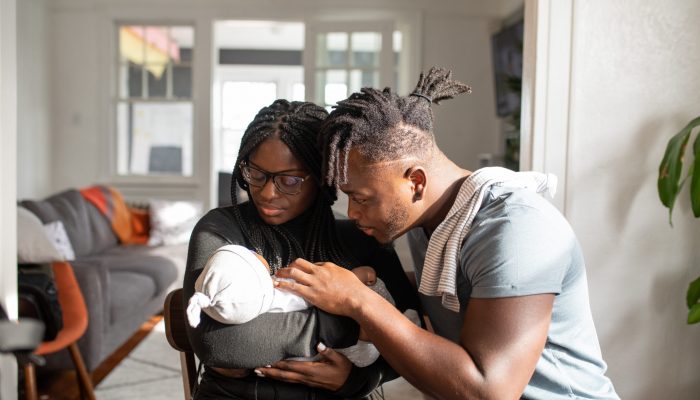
258, 62
154, 107
240, 101
346, 59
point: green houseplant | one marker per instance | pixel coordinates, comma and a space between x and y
670, 183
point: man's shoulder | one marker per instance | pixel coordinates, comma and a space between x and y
519, 208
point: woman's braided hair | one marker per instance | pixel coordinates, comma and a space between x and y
384, 126
297, 125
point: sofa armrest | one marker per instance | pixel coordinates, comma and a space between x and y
93, 280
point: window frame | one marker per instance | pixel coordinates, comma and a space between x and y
115, 99
386, 68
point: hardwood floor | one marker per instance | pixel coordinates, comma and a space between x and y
63, 385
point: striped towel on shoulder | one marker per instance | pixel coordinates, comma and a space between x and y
439, 276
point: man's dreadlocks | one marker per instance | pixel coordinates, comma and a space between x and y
383, 126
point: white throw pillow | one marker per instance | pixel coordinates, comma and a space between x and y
33, 244
58, 235
172, 221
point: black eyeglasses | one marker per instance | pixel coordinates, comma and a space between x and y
287, 184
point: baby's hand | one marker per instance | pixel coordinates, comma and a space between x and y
366, 274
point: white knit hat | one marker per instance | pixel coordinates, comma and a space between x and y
234, 287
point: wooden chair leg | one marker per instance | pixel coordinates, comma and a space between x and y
84, 379
30, 391
186, 375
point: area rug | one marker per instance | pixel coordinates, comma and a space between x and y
151, 371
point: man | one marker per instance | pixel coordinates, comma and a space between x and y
503, 283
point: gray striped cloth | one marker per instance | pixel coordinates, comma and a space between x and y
439, 276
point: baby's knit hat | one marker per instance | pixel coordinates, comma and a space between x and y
234, 287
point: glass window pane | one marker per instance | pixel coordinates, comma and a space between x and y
182, 81
241, 101
160, 48
397, 43
362, 78
155, 138
332, 49
298, 92
181, 41
130, 81
157, 80
333, 84
228, 150
366, 47
131, 48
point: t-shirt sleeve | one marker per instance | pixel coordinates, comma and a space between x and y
267, 338
515, 249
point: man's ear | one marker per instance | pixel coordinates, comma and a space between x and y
418, 178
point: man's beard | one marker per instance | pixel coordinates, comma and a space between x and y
395, 223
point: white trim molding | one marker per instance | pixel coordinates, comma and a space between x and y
546, 91
8, 182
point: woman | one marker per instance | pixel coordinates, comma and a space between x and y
289, 216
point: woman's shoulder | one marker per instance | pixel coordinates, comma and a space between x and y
220, 221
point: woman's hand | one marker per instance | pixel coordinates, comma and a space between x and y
327, 286
330, 372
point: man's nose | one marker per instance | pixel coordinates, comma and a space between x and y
353, 212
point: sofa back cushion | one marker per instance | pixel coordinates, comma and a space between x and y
88, 231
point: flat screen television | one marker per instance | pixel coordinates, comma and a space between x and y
507, 48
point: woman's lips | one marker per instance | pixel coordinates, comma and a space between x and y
270, 211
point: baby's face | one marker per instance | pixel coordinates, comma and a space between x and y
263, 260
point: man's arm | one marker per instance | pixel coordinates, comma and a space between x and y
500, 342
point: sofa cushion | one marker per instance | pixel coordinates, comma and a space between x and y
128, 291
85, 231
136, 259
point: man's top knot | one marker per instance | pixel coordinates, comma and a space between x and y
437, 85
422, 96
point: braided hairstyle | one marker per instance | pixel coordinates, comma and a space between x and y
383, 126
296, 124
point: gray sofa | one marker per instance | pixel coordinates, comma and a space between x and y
123, 286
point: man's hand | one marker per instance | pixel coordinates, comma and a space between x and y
329, 373
327, 286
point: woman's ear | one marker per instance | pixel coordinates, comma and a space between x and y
418, 178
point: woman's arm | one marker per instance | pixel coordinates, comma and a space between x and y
269, 337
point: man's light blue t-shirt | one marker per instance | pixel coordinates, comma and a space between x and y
519, 245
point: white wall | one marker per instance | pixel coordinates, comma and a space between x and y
33, 118
635, 83
80, 58
8, 183
76, 104
466, 125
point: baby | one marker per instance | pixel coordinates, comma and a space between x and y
235, 287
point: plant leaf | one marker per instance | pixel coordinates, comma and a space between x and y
672, 165
693, 294
695, 181
694, 314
